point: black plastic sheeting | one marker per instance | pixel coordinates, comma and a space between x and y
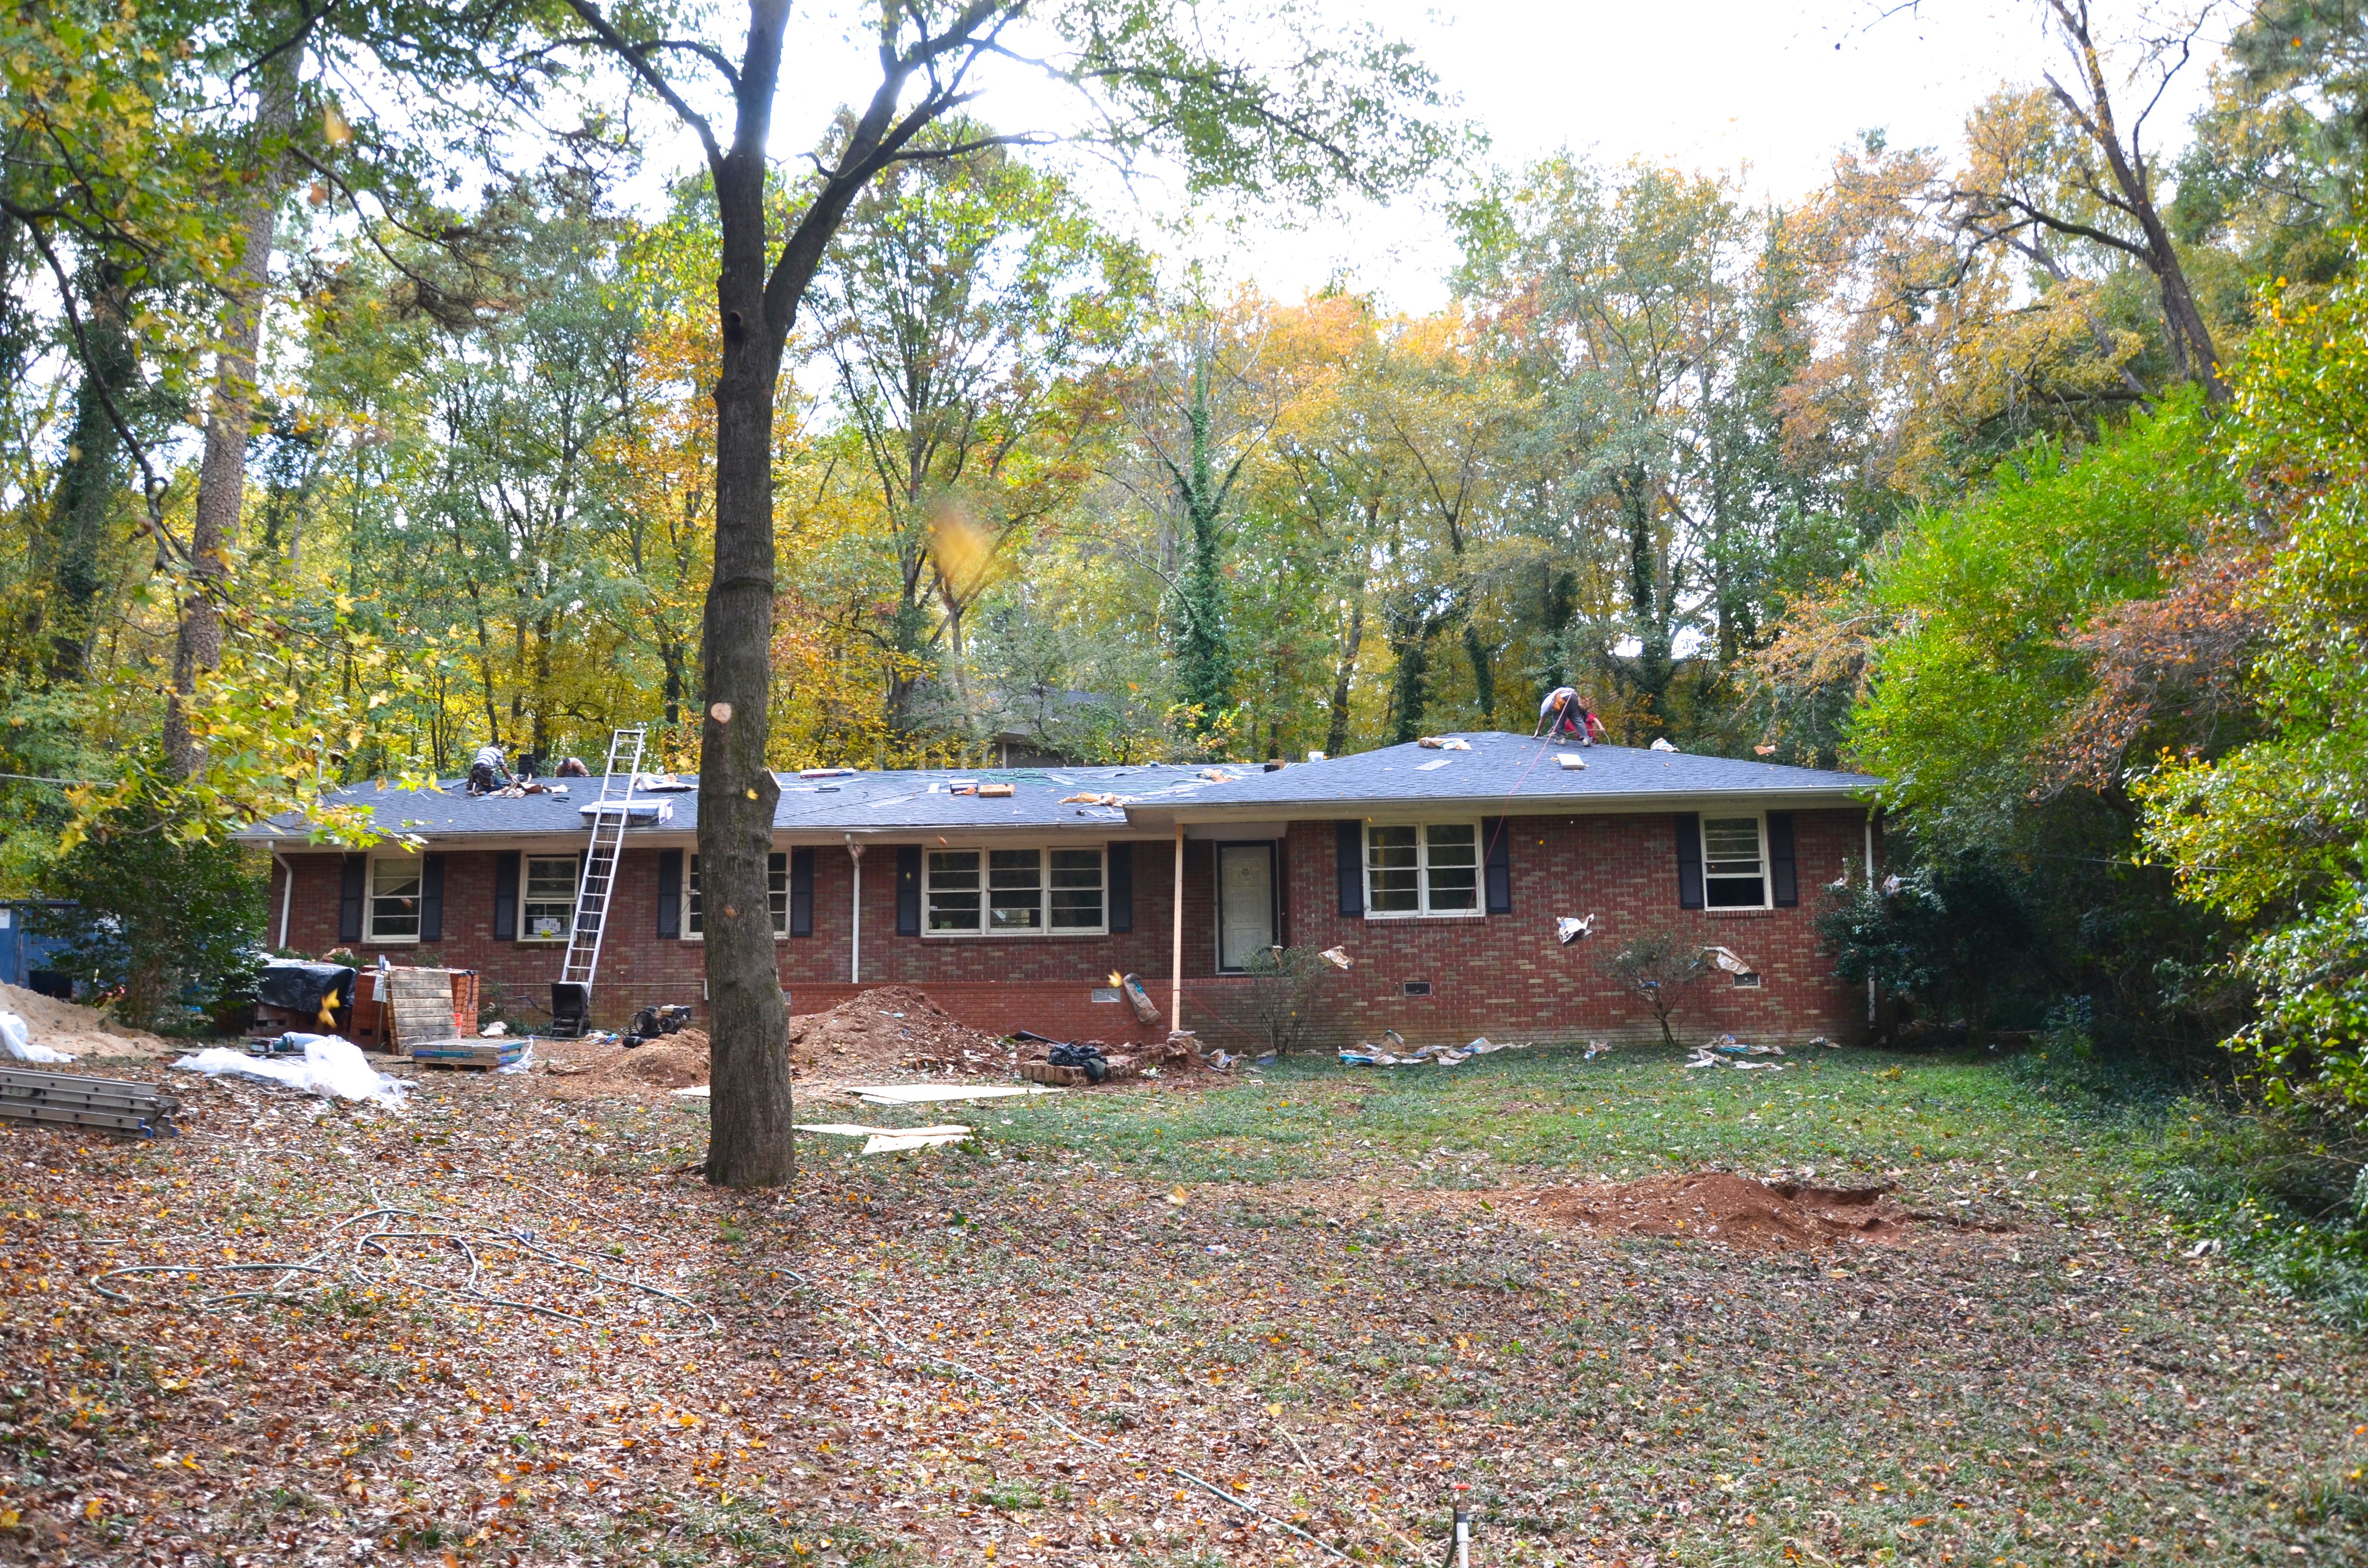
298, 986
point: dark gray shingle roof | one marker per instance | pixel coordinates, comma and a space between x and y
1516, 773
907, 800
1511, 773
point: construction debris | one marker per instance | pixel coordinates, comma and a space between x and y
1337, 958
17, 1045
1724, 958
885, 1143
71, 1099
892, 1028
1393, 1052
934, 1093
1571, 761
1136, 997
1728, 1052
1443, 743
330, 1068
1570, 929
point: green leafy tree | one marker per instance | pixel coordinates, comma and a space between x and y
2271, 835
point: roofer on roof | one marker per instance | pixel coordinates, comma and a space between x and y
489, 771
1562, 714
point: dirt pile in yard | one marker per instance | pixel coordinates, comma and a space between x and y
576, 1070
77, 1030
891, 1029
1734, 1210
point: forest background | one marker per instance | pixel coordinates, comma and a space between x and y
338, 436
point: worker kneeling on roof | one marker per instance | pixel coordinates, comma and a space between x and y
1561, 715
490, 771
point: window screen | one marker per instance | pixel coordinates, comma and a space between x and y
1076, 890
1734, 875
1430, 869
1393, 871
776, 895
1014, 893
550, 900
394, 900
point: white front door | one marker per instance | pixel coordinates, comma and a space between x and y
1245, 903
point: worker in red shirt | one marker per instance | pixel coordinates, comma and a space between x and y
1563, 716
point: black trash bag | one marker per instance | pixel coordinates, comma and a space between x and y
1089, 1058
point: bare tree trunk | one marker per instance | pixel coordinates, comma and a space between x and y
749, 1138
222, 474
2192, 347
1343, 675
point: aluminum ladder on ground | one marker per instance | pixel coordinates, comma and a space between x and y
571, 998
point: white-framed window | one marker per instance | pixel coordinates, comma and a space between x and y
1015, 893
393, 903
1426, 869
547, 898
776, 895
1734, 862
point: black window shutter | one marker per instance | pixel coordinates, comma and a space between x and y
1782, 879
1349, 850
505, 886
1690, 875
431, 898
670, 893
908, 890
1121, 887
801, 892
1498, 833
349, 897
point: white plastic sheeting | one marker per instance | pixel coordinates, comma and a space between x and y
330, 1067
18, 1046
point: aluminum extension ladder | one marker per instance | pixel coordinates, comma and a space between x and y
571, 997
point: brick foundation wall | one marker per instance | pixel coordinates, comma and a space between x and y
1503, 975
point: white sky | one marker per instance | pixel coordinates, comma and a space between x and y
1774, 89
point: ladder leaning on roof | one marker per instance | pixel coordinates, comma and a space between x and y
571, 996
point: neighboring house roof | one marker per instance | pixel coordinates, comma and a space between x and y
1508, 774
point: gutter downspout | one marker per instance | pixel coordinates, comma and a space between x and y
855, 923
1870, 887
1175, 942
287, 895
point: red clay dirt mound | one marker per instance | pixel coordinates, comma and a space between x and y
891, 1029
671, 1061
1734, 1210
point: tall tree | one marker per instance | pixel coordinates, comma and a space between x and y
2095, 186
1337, 110
257, 179
962, 305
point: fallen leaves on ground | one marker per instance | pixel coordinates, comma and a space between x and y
1016, 1353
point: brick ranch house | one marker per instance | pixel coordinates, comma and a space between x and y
1441, 872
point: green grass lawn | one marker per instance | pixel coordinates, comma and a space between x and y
1552, 1115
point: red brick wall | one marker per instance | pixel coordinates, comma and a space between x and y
1508, 977
1504, 976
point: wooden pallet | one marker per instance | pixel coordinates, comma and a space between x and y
476, 1055
424, 1006
70, 1099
